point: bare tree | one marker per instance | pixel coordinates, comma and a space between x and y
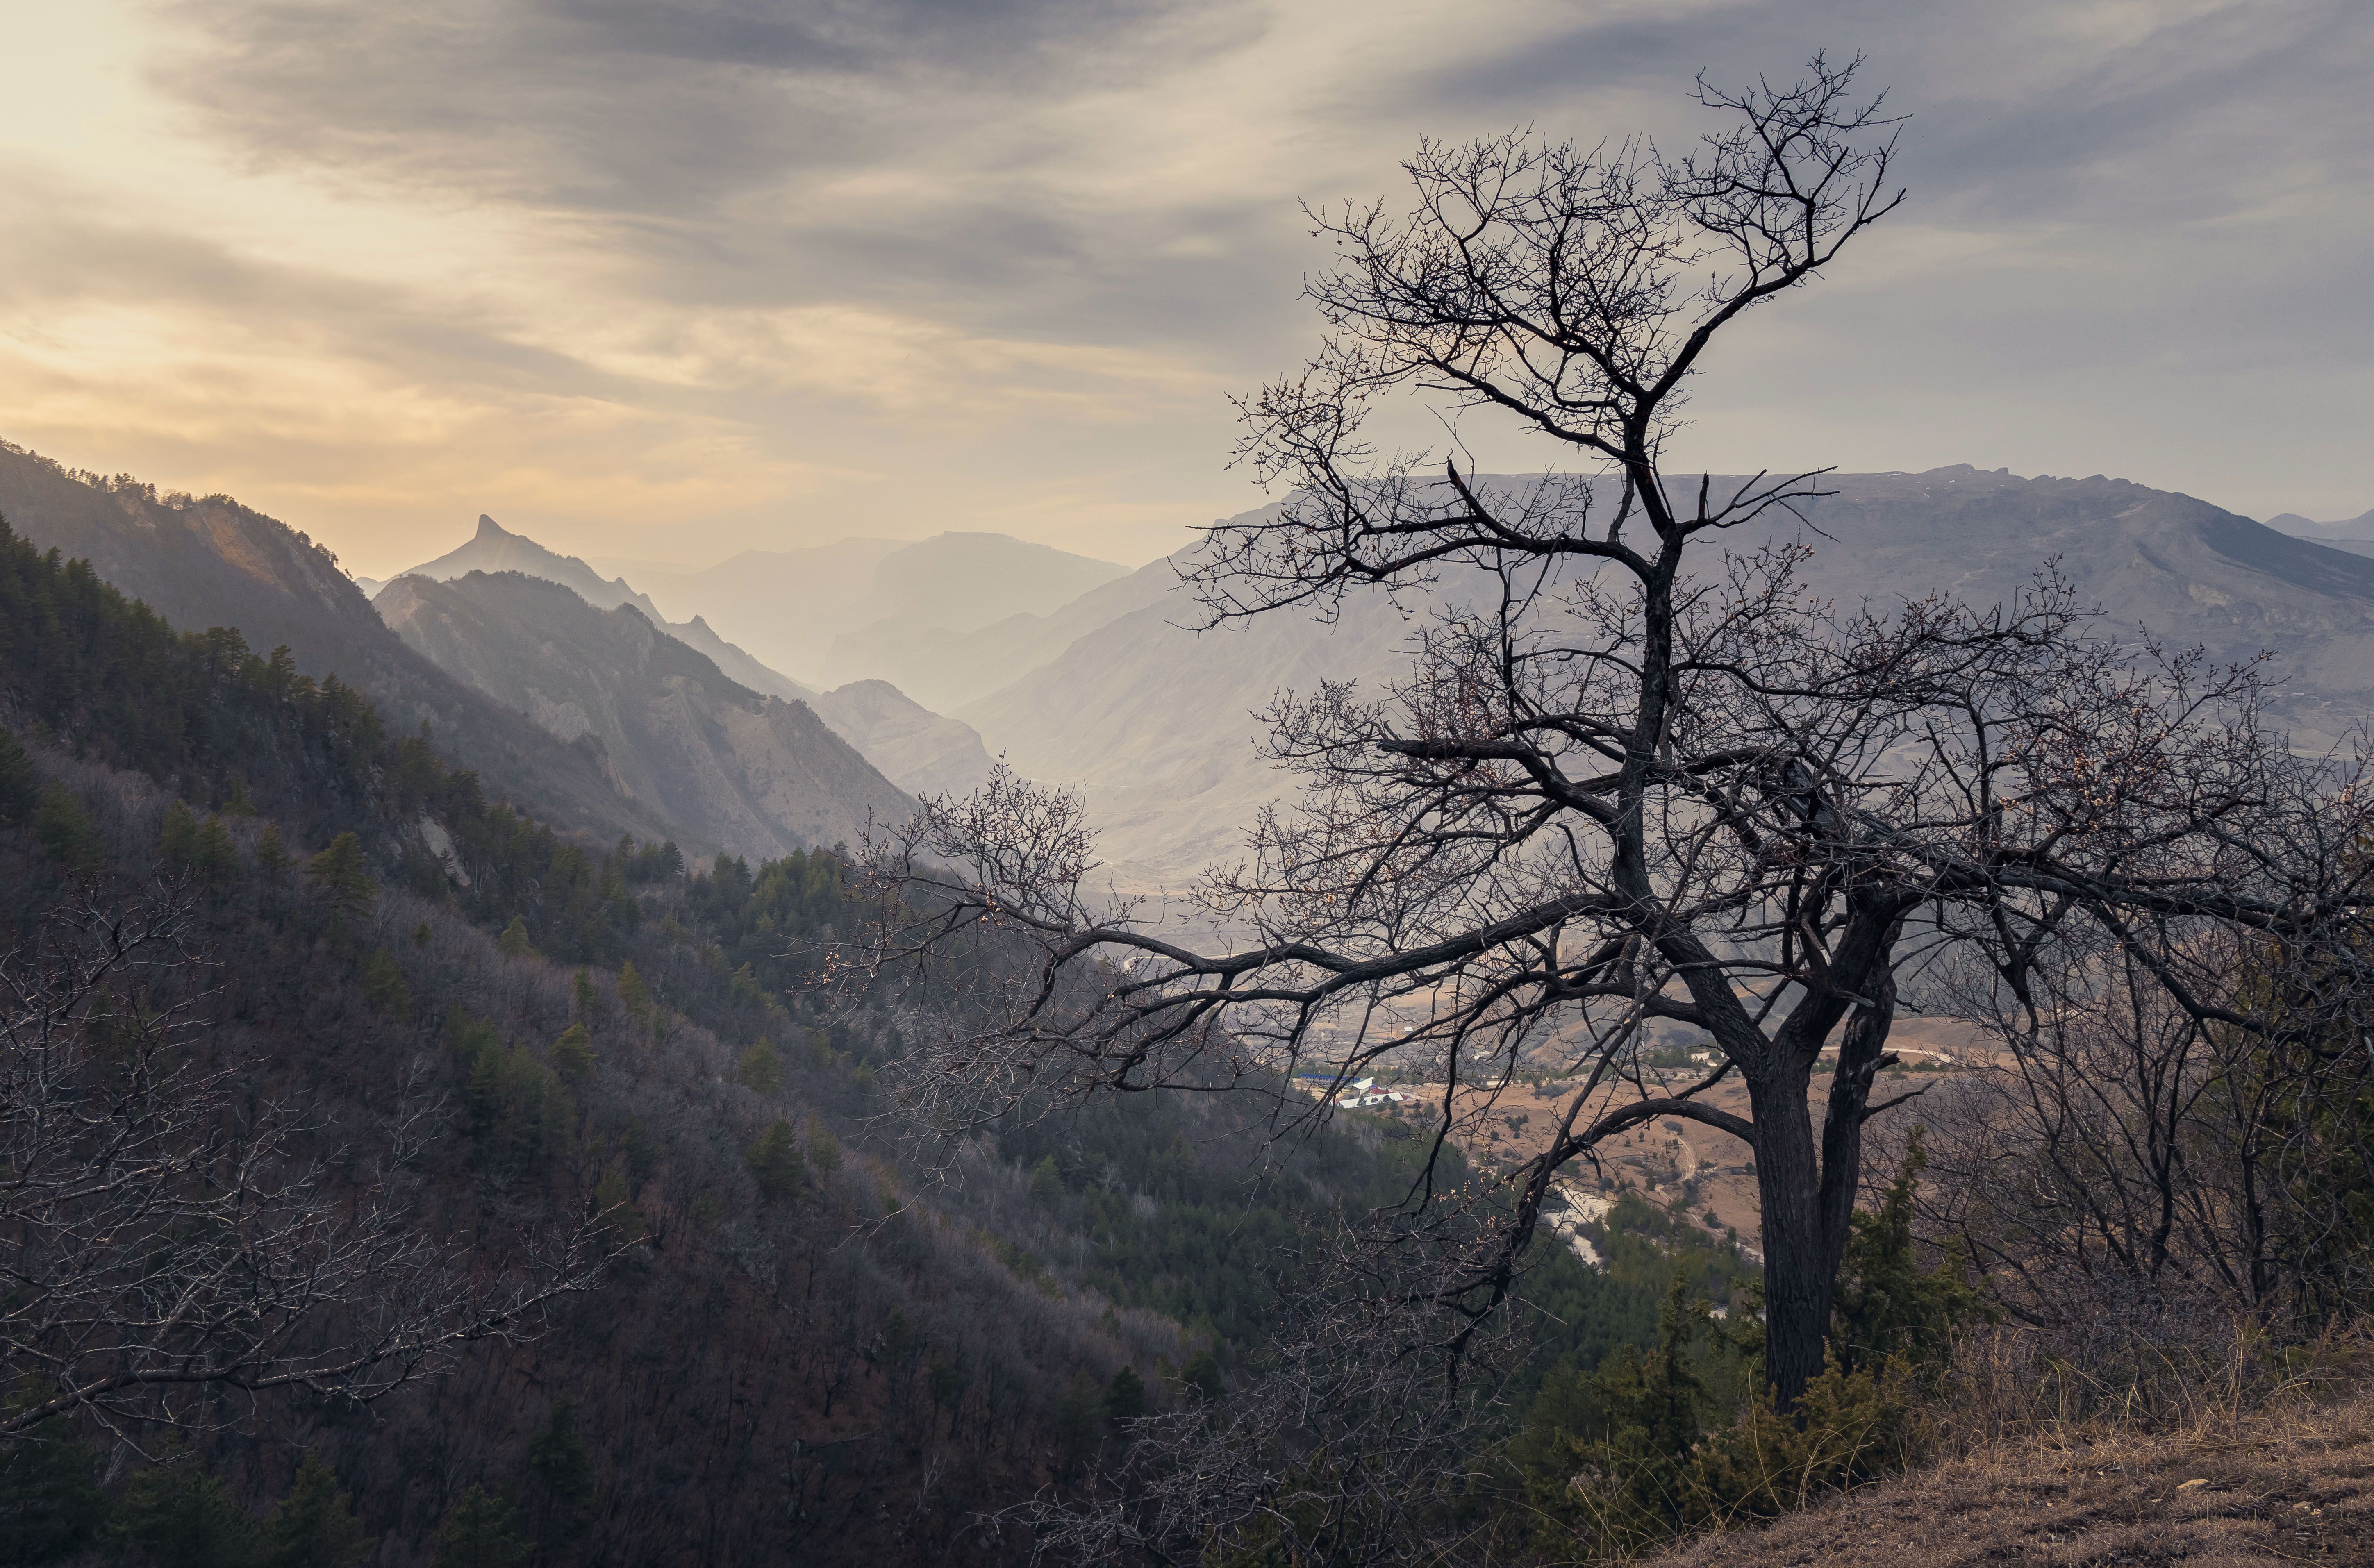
165, 1239
1612, 789
2127, 1154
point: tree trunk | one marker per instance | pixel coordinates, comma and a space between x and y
1799, 1286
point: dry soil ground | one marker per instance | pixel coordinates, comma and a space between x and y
2285, 1487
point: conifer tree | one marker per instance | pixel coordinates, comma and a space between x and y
340, 874
824, 1149
633, 993
1079, 1419
178, 840
776, 1163
613, 1199
62, 825
1125, 1396
481, 1530
271, 854
214, 857
183, 1516
50, 1503
562, 1475
514, 942
572, 1053
760, 1068
384, 987
315, 1525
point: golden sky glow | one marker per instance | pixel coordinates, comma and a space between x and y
671, 280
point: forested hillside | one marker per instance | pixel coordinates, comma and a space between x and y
807, 1349
211, 562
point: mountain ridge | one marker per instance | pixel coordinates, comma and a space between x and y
748, 772
1154, 722
211, 562
920, 750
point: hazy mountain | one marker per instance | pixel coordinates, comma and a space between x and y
865, 609
496, 549
215, 563
784, 605
947, 669
2360, 527
1155, 720
916, 749
922, 752
2354, 534
752, 773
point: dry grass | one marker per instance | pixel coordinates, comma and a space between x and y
2292, 1482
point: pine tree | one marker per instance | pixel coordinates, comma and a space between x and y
1079, 1419
1046, 1180
384, 987
50, 1503
341, 875
613, 1199
271, 854
1125, 1396
184, 1516
480, 1531
760, 1068
633, 994
62, 825
214, 857
580, 986
572, 1054
776, 1163
178, 841
514, 943
824, 1151
561, 1474
315, 1525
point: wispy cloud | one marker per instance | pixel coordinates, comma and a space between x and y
669, 278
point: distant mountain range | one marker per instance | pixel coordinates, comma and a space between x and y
2355, 534
591, 706
1155, 721
754, 773
853, 610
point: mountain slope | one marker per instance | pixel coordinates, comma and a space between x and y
215, 563
918, 749
922, 752
753, 774
496, 549
1156, 722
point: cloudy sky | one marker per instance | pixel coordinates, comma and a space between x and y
664, 279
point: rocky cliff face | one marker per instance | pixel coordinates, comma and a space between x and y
739, 770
